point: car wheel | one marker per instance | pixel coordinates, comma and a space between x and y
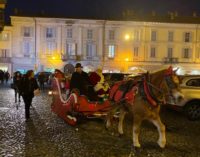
193, 110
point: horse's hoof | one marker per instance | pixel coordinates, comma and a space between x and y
120, 135
136, 149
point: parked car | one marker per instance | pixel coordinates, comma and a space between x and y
190, 87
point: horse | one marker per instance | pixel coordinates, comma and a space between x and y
142, 98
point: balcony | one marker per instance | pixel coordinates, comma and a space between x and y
170, 60
5, 59
94, 58
65, 57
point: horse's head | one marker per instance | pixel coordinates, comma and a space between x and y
173, 84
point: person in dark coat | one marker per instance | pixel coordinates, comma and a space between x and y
27, 88
80, 80
16, 83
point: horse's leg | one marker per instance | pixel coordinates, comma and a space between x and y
136, 130
161, 130
121, 119
110, 115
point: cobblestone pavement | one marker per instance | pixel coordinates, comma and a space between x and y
46, 135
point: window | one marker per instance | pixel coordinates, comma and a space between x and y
135, 51
136, 35
91, 50
26, 48
50, 48
89, 34
170, 36
111, 35
187, 37
71, 49
153, 36
4, 53
4, 36
69, 33
186, 53
153, 52
170, 52
111, 51
193, 82
27, 31
50, 32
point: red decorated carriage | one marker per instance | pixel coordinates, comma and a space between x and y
75, 104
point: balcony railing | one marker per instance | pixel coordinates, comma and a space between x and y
170, 60
5, 59
70, 57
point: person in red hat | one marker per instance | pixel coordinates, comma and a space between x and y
100, 86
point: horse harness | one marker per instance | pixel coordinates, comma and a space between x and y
125, 91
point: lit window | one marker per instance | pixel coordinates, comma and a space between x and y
69, 33
91, 50
153, 52
111, 51
111, 35
170, 36
89, 34
71, 49
153, 36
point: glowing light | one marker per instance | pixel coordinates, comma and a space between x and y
127, 37
53, 58
126, 59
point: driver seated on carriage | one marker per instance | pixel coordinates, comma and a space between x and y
80, 80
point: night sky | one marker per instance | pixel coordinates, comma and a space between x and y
99, 9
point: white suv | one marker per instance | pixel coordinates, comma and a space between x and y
190, 88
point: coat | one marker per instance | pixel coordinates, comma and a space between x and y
80, 81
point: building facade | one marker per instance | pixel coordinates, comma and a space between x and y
44, 44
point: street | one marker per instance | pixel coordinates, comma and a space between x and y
46, 135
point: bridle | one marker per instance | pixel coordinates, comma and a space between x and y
170, 83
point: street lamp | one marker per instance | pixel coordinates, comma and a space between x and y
127, 37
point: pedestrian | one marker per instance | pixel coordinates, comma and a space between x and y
28, 89
6, 76
41, 80
16, 85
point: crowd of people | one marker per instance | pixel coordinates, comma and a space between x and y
4, 76
90, 84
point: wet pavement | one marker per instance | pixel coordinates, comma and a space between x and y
46, 135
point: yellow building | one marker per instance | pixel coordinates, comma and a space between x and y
119, 46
